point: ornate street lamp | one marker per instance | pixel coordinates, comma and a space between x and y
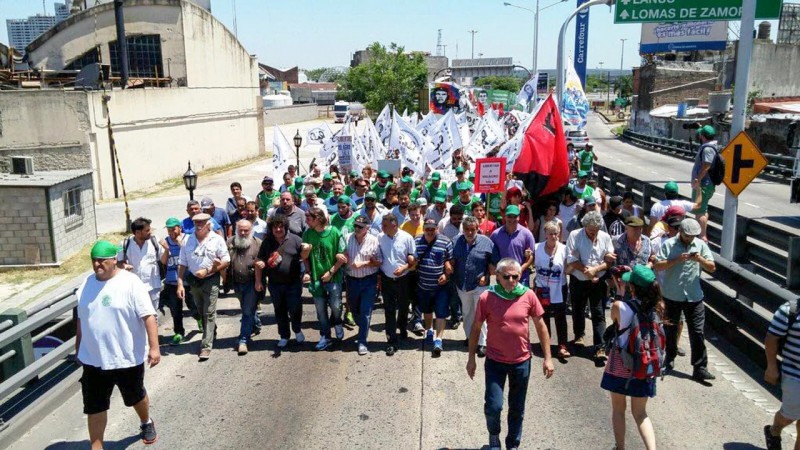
298, 141
190, 181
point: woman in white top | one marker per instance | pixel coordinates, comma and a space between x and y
628, 206
550, 259
550, 215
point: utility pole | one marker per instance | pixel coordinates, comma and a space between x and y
235, 27
622, 54
473, 42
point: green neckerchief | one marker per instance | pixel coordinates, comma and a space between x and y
498, 290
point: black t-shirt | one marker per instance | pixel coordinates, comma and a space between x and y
288, 271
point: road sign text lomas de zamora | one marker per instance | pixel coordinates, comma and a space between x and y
638, 11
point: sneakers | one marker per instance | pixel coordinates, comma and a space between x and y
200, 325
563, 353
148, 432
390, 350
283, 343
418, 328
300, 337
339, 332
205, 354
429, 337
455, 323
579, 342
702, 374
437, 348
773, 442
600, 354
681, 351
362, 349
242, 350
348, 320
494, 442
323, 343
481, 351
177, 339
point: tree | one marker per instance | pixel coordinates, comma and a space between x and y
331, 74
624, 86
512, 84
389, 76
314, 74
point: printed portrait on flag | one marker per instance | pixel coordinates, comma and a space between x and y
443, 97
575, 104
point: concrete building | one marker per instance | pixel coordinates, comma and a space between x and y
47, 217
464, 71
211, 113
22, 32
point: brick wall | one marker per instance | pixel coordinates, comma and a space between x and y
71, 234
50, 158
24, 229
656, 77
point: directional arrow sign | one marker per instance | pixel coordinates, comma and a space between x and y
743, 162
638, 11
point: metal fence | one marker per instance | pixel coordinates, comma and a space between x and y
773, 252
779, 167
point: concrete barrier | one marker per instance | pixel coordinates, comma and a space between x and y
290, 114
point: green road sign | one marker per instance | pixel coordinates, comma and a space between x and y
639, 11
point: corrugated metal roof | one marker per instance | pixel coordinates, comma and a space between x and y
41, 179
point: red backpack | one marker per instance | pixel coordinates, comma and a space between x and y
644, 353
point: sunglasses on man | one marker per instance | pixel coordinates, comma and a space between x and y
510, 277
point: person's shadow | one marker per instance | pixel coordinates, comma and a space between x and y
81, 445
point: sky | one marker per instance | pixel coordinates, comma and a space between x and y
324, 33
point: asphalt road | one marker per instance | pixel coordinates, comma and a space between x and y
303, 399
762, 199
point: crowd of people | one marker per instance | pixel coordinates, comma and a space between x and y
426, 251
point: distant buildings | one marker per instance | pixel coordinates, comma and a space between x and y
22, 32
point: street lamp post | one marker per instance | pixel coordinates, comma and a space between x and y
190, 181
298, 141
535, 58
622, 54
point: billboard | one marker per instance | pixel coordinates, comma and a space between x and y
683, 36
581, 42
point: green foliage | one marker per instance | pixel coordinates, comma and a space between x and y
389, 76
511, 84
624, 86
314, 74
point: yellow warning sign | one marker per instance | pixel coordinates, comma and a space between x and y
743, 162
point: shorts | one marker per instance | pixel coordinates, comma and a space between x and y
434, 300
708, 192
97, 385
635, 387
790, 408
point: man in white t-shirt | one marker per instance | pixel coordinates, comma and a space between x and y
140, 255
116, 332
671, 198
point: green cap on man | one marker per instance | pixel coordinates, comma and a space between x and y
104, 250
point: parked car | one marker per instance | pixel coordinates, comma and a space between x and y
578, 138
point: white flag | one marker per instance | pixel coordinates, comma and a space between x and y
281, 152
384, 124
408, 144
373, 144
426, 124
527, 94
488, 135
318, 135
445, 139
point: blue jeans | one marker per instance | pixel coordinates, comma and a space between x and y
518, 375
361, 294
246, 293
333, 299
434, 300
286, 299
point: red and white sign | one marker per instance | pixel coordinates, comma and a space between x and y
490, 175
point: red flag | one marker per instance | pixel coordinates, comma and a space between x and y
542, 163
481, 109
500, 112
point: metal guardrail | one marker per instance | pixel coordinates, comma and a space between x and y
16, 341
779, 167
773, 252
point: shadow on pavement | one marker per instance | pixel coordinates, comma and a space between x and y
76, 445
740, 446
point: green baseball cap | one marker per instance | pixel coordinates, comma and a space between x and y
671, 187
583, 174
640, 275
327, 176
707, 131
371, 194
298, 182
383, 174
460, 169
439, 197
472, 175
407, 179
353, 173
104, 250
173, 222
512, 210
436, 176
462, 186
343, 199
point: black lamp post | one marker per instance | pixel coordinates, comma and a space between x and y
190, 181
298, 141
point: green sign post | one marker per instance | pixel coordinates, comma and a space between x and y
639, 11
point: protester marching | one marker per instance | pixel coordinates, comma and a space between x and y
470, 216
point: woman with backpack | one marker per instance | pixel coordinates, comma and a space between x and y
634, 365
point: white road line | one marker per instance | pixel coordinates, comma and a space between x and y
754, 206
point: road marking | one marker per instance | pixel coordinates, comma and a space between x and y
754, 206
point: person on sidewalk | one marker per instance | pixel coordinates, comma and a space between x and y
434, 264
702, 186
397, 255
784, 328
116, 332
323, 255
280, 253
472, 268
202, 259
362, 278
682, 259
141, 254
507, 309
243, 250
550, 261
169, 294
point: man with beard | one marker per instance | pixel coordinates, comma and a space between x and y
343, 218
435, 187
326, 191
374, 212
266, 196
401, 210
379, 187
243, 249
250, 212
295, 216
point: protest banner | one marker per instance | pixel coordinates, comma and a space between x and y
490, 175
390, 165
344, 150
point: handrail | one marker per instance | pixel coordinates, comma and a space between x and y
37, 321
40, 365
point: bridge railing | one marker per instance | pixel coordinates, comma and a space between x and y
771, 251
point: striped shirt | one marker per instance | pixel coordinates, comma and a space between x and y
430, 263
791, 350
362, 253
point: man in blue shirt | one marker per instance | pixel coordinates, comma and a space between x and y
193, 208
434, 267
219, 215
169, 293
473, 265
